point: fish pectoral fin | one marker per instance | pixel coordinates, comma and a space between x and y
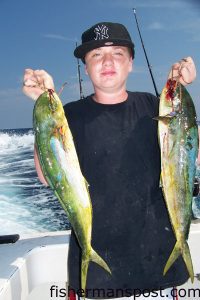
165, 119
61, 130
181, 248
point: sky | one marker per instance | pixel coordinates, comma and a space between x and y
42, 34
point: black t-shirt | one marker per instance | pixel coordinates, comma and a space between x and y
117, 146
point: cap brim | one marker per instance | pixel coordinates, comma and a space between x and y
81, 50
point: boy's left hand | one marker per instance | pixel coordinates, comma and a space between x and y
184, 71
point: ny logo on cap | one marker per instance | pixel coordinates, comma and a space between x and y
101, 32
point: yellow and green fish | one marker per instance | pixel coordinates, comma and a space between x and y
60, 167
178, 137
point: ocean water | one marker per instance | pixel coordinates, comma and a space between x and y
26, 206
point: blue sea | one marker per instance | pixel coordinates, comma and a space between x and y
26, 206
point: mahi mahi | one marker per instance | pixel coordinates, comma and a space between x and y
60, 167
178, 136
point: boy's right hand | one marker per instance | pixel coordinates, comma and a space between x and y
36, 82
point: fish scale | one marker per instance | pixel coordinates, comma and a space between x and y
60, 166
178, 138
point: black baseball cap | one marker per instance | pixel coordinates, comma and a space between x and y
104, 34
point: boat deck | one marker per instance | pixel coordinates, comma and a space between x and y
32, 265
31, 262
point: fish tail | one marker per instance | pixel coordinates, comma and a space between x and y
86, 257
84, 270
179, 249
188, 260
98, 260
174, 255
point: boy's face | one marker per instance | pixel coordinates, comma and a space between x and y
108, 67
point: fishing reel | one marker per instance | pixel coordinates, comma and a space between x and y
196, 187
196, 200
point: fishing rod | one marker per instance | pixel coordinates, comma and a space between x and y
80, 79
148, 64
196, 182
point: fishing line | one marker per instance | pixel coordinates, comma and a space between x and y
80, 80
145, 53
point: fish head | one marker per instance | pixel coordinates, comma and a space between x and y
48, 111
172, 96
176, 102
